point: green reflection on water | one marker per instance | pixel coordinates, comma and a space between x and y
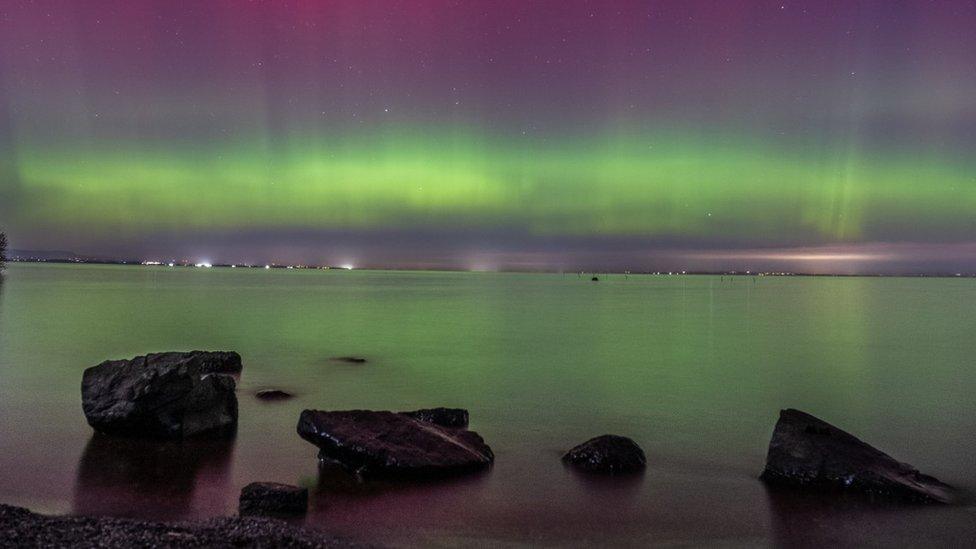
695, 368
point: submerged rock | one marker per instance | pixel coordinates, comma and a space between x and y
810, 453
393, 445
349, 359
272, 498
273, 394
445, 417
164, 395
608, 454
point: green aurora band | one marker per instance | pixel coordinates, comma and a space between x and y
646, 186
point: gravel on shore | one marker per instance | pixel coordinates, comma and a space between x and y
20, 527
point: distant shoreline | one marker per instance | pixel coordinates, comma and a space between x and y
759, 274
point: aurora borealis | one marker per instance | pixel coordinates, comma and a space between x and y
493, 134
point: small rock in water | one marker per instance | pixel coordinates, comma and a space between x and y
349, 359
595, 279
389, 444
273, 394
445, 417
163, 395
608, 454
273, 499
809, 453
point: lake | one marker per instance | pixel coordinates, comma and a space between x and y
694, 368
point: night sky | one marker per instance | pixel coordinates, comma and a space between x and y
817, 136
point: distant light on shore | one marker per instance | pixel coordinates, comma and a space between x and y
347, 266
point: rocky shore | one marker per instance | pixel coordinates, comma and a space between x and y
147, 404
22, 528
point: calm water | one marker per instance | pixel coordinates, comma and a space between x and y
694, 369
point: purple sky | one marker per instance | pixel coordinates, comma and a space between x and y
497, 134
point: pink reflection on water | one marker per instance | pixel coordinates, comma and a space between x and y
476, 507
147, 478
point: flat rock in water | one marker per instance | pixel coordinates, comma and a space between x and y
389, 444
810, 453
608, 454
273, 394
272, 498
445, 417
164, 395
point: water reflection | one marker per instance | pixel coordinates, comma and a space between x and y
2, 276
149, 478
800, 519
334, 478
614, 357
341, 495
620, 487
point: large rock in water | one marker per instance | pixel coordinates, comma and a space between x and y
810, 453
607, 454
164, 395
211, 362
389, 444
445, 417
